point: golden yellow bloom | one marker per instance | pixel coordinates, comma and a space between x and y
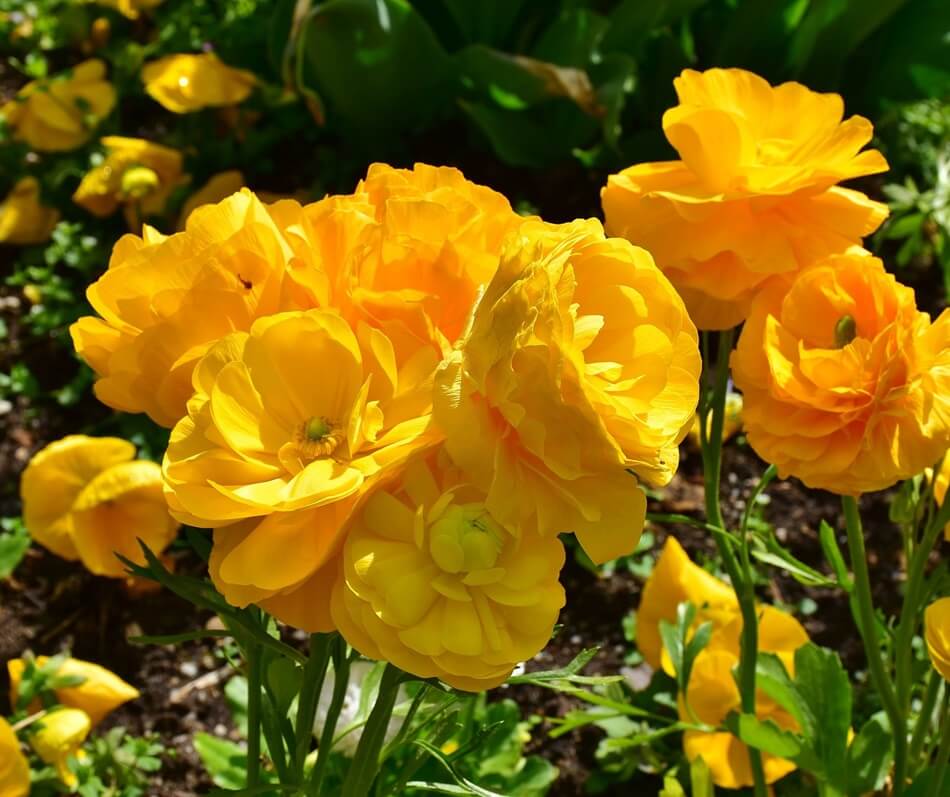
100, 693
754, 196
87, 498
59, 113
185, 83
155, 298
59, 737
131, 9
937, 635
14, 768
137, 174
580, 363
713, 694
23, 220
218, 187
940, 489
431, 582
846, 385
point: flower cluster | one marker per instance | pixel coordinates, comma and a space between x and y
388, 404
754, 198
712, 692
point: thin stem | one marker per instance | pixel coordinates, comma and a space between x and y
252, 656
924, 718
943, 754
741, 578
365, 764
863, 602
341, 680
314, 673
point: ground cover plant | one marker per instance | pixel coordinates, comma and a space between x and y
497, 399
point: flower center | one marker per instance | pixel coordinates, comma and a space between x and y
846, 330
318, 437
465, 538
138, 181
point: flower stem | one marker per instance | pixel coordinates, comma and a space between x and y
314, 673
252, 656
943, 754
866, 626
341, 679
924, 718
365, 764
741, 577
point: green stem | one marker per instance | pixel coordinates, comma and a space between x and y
314, 673
924, 718
863, 602
341, 679
252, 656
943, 754
741, 577
365, 764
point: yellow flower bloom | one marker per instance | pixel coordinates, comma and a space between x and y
59, 113
155, 298
185, 83
431, 582
754, 197
14, 768
732, 421
218, 187
136, 174
100, 693
846, 385
131, 9
580, 363
59, 737
23, 220
940, 489
87, 498
937, 635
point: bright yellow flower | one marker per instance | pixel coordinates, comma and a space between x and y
185, 83
23, 219
220, 186
59, 113
87, 498
431, 582
59, 737
100, 693
155, 300
940, 489
937, 635
131, 9
754, 197
580, 364
732, 420
846, 385
14, 768
136, 174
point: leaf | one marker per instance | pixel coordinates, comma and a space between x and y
578, 663
801, 572
700, 778
764, 735
772, 678
225, 761
14, 542
869, 756
829, 544
283, 682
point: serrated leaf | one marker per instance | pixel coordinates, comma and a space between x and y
869, 756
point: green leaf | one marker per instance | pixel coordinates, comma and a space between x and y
772, 678
14, 542
225, 761
566, 673
764, 735
829, 544
283, 680
377, 65
700, 778
869, 756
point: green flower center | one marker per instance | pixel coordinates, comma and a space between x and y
465, 538
138, 181
846, 330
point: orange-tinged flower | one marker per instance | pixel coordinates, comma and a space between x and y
846, 385
100, 693
580, 364
220, 186
23, 219
14, 768
431, 582
87, 498
754, 197
937, 635
154, 303
184, 83
58, 737
137, 175
60, 113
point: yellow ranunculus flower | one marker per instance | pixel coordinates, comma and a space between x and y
131, 9
937, 635
185, 83
59, 737
431, 582
87, 498
155, 299
59, 113
100, 693
137, 174
754, 196
846, 385
14, 768
218, 187
580, 364
23, 220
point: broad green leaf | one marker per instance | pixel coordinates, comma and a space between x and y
764, 735
225, 761
14, 542
572, 39
774, 681
869, 756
